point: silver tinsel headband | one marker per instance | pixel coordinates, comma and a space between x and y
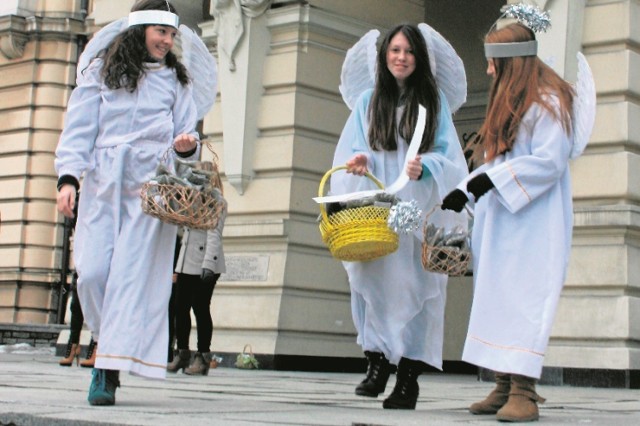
530, 16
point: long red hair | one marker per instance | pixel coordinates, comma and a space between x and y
518, 83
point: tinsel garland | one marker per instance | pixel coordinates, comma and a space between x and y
529, 15
404, 217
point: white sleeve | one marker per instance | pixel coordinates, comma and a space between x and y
521, 180
81, 125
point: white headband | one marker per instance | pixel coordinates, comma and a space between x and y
154, 17
510, 50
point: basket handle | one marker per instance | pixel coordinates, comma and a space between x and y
326, 176
426, 217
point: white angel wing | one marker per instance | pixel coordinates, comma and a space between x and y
99, 41
447, 67
584, 107
359, 68
190, 49
202, 69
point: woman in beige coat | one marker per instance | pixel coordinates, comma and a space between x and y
199, 265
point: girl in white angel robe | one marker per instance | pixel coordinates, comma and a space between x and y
397, 306
522, 228
521, 245
124, 257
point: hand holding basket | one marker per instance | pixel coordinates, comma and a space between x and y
356, 233
175, 200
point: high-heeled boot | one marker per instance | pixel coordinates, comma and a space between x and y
71, 352
201, 364
377, 376
496, 399
406, 391
92, 350
180, 361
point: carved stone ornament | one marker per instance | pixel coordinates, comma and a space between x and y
12, 39
228, 22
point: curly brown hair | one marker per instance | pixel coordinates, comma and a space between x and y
124, 58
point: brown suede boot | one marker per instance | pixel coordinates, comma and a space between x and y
522, 404
496, 399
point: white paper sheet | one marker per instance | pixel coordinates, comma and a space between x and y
402, 179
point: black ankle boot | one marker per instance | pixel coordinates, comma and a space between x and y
406, 391
377, 375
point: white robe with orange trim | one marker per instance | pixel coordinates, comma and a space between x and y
521, 244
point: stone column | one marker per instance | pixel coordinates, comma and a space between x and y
596, 332
38, 51
240, 28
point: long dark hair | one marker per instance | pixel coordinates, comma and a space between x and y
519, 82
124, 58
419, 89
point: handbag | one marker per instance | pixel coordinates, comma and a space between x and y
246, 360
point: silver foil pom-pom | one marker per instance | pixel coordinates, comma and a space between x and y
404, 217
529, 15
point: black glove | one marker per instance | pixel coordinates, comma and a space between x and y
207, 276
455, 200
479, 185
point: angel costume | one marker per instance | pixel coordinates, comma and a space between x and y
397, 306
516, 293
117, 139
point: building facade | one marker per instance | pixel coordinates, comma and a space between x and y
274, 128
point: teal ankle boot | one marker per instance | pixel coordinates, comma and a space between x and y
103, 387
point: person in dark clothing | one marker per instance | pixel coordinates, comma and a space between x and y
172, 302
199, 265
73, 349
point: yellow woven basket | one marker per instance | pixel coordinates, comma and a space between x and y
359, 233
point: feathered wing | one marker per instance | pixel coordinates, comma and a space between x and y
202, 69
447, 67
359, 68
584, 107
192, 52
99, 41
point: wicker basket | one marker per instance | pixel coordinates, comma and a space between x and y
448, 260
359, 233
181, 205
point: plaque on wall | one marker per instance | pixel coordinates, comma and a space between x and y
246, 268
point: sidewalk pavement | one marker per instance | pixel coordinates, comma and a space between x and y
35, 391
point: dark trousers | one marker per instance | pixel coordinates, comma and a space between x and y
172, 322
77, 318
192, 293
